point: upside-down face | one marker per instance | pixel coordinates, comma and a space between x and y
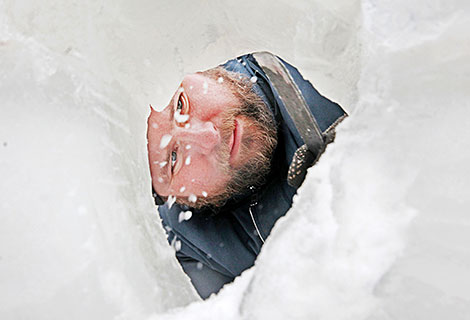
205, 139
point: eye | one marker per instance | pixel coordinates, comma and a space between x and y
173, 159
179, 106
181, 114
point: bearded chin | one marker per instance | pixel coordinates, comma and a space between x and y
255, 168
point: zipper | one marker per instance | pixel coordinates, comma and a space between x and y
253, 203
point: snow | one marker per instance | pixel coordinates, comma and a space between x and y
176, 244
166, 138
379, 230
184, 215
181, 118
171, 200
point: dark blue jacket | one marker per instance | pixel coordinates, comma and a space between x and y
215, 247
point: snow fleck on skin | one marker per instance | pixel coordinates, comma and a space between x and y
220, 80
154, 125
190, 87
162, 164
204, 194
254, 79
187, 161
188, 147
165, 141
182, 189
187, 125
205, 86
192, 198
171, 200
160, 179
181, 118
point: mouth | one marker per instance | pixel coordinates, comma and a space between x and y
235, 142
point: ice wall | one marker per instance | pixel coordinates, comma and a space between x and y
378, 231
402, 155
79, 234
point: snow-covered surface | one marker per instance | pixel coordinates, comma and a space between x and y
379, 230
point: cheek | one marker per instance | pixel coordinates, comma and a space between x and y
198, 177
153, 142
209, 110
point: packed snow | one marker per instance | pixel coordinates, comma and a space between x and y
379, 229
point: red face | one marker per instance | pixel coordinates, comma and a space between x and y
194, 143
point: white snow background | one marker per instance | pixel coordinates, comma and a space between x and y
380, 228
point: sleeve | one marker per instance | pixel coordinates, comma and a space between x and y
205, 280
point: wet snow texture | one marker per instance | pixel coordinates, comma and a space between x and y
379, 230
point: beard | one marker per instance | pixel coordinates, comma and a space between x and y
260, 134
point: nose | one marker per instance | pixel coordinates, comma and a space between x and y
201, 136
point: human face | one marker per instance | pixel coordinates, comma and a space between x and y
194, 143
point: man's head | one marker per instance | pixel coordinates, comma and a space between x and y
214, 139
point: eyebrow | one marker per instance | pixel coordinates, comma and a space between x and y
176, 96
